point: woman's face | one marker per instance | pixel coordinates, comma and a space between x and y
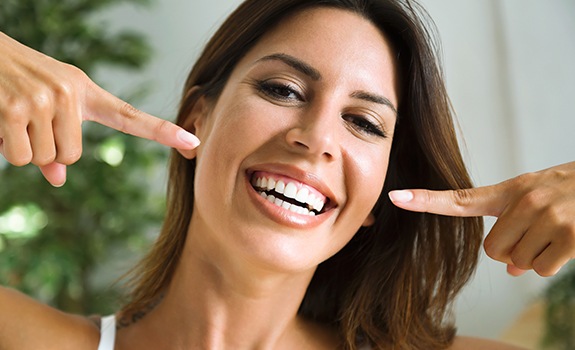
295, 150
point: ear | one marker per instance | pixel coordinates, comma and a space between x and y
195, 120
369, 220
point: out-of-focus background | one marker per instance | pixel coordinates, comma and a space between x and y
510, 71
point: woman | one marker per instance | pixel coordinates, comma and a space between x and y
279, 232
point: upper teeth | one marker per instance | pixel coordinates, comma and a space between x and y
290, 190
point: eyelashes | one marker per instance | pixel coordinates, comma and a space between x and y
362, 124
280, 91
290, 94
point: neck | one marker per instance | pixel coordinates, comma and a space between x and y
216, 302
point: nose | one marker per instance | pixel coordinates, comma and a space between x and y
315, 134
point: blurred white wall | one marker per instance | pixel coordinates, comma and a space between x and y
511, 74
510, 68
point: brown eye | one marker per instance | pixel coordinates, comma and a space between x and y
279, 91
363, 125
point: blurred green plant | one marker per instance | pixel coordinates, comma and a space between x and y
560, 311
53, 240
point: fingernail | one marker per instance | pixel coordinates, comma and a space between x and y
188, 138
59, 185
401, 196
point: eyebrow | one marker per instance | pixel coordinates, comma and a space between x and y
294, 63
367, 96
315, 75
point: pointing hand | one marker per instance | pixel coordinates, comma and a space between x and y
535, 228
43, 103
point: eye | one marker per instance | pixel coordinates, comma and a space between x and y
280, 91
363, 125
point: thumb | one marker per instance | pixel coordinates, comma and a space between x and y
515, 271
480, 201
54, 173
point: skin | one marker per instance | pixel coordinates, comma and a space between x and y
245, 268
43, 103
535, 229
244, 255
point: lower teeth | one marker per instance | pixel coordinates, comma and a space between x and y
287, 205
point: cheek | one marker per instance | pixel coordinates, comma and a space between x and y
227, 132
233, 132
369, 175
246, 123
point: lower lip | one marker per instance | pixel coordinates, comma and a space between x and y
283, 216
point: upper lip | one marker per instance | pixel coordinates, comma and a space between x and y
300, 175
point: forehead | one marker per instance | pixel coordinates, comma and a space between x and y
341, 45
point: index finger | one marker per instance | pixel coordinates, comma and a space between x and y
106, 109
480, 201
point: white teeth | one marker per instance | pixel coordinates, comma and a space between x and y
271, 184
304, 196
311, 199
286, 205
280, 187
318, 205
290, 190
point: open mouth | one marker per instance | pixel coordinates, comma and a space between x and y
290, 195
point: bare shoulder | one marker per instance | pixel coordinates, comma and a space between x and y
470, 343
28, 324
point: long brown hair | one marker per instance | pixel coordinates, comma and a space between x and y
393, 284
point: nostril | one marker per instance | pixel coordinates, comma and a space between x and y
315, 138
298, 143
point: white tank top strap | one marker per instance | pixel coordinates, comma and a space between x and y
107, 333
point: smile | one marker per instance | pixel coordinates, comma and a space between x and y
289, 194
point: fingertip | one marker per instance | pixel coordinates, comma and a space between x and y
401, 196
59, 184
188, 139
55, 174
515, 271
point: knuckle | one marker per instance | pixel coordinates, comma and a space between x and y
15, 112
43, 159
568, 234
19, 160
543, 269
64, 91
533, 199
160, 128
69, 157
555, 216
42, 101
75, 73
491, 249
520, 261
524, 180
559, 175
462, 198
129, 111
